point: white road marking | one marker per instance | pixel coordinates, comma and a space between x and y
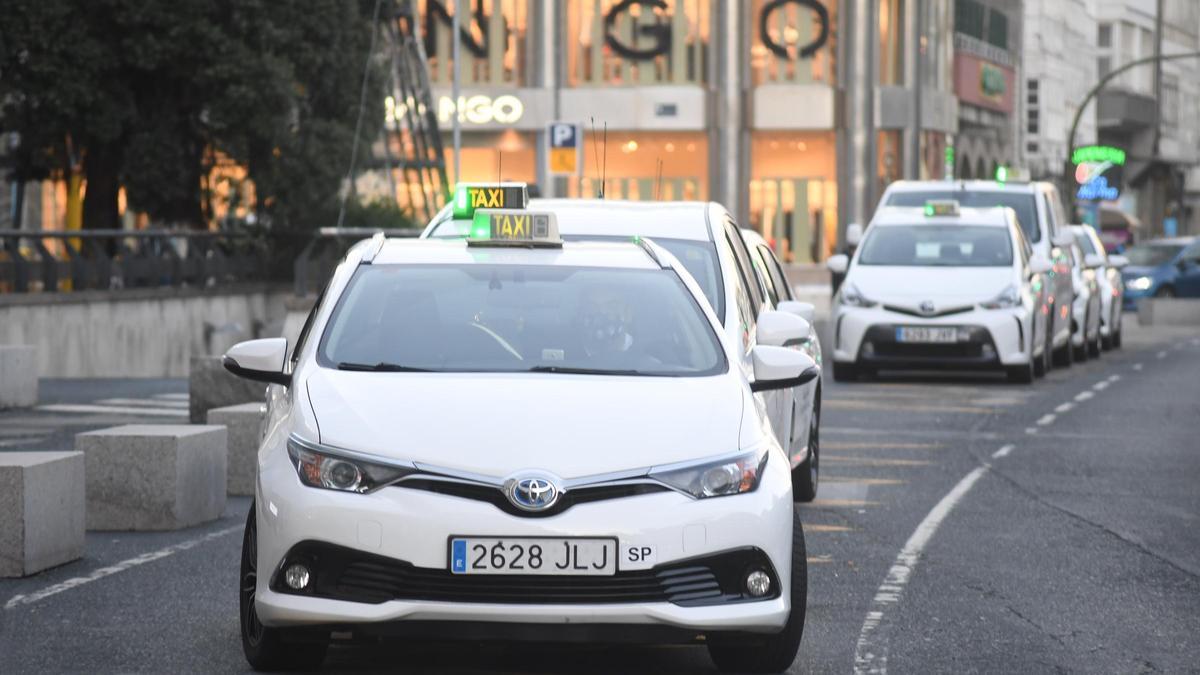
1114, 378
138, 402
76, 582
1161, 355
1002, 452
1083, 396
1030, 430
1100, 386
871, 652
1137, 366
1047, 419
1064, 407
110, 410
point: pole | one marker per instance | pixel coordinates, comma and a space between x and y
914, 149
456, 123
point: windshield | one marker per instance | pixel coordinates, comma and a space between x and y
1152, 255
507, 318
1023, 204
937, 245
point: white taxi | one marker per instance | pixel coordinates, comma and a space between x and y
513, 437
940, 287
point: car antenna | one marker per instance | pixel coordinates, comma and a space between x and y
499, 166
658, 178
596, 155
604, 151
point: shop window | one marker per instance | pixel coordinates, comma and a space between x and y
645, 166
793, 193
627, 42
793, 42
494, 47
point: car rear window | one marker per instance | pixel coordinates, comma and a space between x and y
1023, 204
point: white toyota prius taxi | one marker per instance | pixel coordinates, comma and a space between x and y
941, 287
512, 437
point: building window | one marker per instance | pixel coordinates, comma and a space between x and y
1170, 101
997, 31
1103, 66
1031, 147
615, 42
1032, 125
1104, 35
1031, 93
795, 44
493, 46
968, 18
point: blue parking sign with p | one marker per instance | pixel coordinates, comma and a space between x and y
564, 141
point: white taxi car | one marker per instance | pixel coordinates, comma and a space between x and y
940, 287
735, 279
513, 437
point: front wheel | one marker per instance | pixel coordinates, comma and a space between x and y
1020, 374
770, 653
265, 648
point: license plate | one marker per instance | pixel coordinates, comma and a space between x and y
576, 556
926, 334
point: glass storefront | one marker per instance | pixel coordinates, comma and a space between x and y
646, 165
792, 43
494, 47
793, 193
619, 42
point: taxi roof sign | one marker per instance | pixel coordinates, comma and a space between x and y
471, 196
513, 227
941, 207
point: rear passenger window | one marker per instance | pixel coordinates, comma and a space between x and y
742, 256
760, 266
741, 297
776, 272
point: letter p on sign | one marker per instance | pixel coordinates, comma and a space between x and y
564, 151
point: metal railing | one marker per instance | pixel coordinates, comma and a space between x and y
314, 265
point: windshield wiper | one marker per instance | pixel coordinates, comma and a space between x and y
583, 371
381, 367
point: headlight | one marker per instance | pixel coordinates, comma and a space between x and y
1009, 297
1139, 284
729, 476
851, 296
326, 468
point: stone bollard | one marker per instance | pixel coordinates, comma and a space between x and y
211, 386
245, 426
41, 511
154, 477
18, 376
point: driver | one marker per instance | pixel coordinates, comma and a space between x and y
606, 319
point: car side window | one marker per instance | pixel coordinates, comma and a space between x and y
776, 270
1051, 216
1192, 253
760, 268
741, 296
307, 328
742, 256
1023, 244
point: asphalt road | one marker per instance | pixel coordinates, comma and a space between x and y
963, 525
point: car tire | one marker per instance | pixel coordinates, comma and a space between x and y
805, 476
267, 649
1116, 339
771, 653
1063, 355
1020, 374
1044, 362
1080, 353
1165, 292
844, 372
1094, 347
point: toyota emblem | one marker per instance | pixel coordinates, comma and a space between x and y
927, 307
533, 493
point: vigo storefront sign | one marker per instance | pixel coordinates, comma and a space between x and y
784, 51
661, 32
479, 109
436, 11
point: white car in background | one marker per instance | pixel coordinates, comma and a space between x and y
1108, 276
513, 437
714, 250
1087, 309
940, 287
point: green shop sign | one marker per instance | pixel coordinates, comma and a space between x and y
1097, 154
991, 80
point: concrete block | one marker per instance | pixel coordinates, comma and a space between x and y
1169, 312
41, 511
154, 477
245, 427
211, 386
18, 376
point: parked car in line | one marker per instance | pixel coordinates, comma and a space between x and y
1112, 290
1085, 311
1044, 222
1163, 268
941, 287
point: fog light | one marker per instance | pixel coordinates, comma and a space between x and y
988, 351
296, 576
758, 583
868, 349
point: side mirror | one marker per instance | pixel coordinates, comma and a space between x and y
838, 264
1117, 261
1040, 264
781, 368
1093, 261
1063, 240
782, 329
854, 233
804, 310
259, 360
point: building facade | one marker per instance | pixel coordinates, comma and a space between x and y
987, 73
761, 105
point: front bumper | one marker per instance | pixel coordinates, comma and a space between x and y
987, 339
404, 533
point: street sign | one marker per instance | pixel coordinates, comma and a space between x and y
565, 152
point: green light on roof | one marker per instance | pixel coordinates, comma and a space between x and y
481, 226
1001, 174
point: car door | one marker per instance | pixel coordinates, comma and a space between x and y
1187, 284
1062, 285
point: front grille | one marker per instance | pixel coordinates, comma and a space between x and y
495, 496
347, 574
958, 350
948, 311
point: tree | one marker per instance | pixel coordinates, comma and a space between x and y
143, 94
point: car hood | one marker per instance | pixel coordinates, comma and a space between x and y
944, 286
496, 424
